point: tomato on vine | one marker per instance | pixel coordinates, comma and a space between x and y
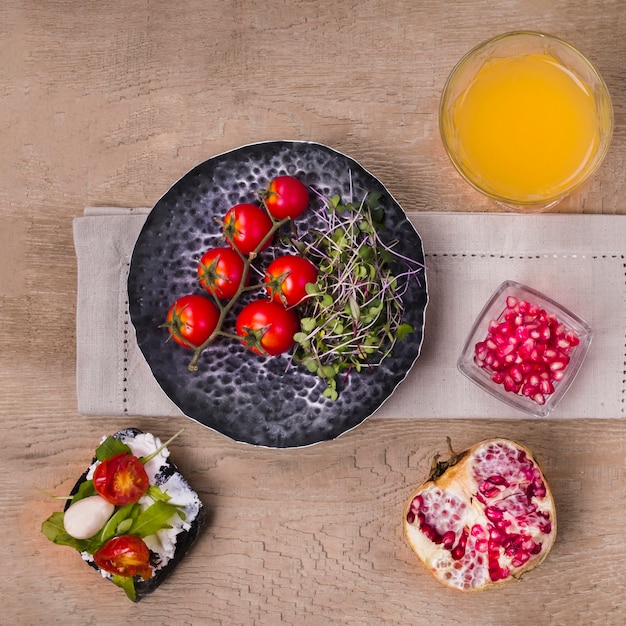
267, 327
127, 555
221, 272
191, 320
246, 226
286, 196
286, 278
121, 479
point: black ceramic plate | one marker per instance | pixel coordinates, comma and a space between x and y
253, 399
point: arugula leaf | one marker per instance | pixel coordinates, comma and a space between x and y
112, 527
53, 526
124, 526
85, 490
54, 530
127, 583
156, 493
110, 447
154, 518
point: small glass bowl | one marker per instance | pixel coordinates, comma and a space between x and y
494, 313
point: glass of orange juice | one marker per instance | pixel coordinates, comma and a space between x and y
526, 119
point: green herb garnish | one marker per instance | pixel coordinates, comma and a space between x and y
354, 314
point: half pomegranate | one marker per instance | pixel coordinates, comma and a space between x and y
483, 518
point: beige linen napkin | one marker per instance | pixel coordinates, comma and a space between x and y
578, 260
112, 376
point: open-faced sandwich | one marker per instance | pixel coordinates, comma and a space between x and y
131, 515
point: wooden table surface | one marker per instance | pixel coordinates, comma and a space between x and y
109, 103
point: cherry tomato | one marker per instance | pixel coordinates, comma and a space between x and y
121, 479
127, 555
191, 320
267, 327
286, 196
287, 277
221, 272
245, 227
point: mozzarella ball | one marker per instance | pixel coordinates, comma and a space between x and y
87, 516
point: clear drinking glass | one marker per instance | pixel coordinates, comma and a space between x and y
526, 119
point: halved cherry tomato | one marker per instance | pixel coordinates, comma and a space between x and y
267, 327
246, 226
286, 196
191, 320
221, 272
287, 277
127, 555
121, 479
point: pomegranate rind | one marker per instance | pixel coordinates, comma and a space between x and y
485, 519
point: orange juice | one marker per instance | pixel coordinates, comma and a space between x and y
526, 126
520, 124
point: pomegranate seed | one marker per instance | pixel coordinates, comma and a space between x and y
506, 349
478, 531
509, 383
546, 387
493, 514
448, 539
487, 489
509, 359
481, 545
550, 354
558, 364
458, 552
539, 488
516, 373
481, 350
498, 377
496, 479
520, 558
526, 350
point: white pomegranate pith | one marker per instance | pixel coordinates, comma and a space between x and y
483, 518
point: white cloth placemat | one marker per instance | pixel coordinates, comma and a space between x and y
578, 260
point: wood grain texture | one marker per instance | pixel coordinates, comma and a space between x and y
109, 103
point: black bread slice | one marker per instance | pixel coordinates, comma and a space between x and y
184, 540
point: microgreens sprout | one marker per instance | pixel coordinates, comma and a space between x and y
354, 313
